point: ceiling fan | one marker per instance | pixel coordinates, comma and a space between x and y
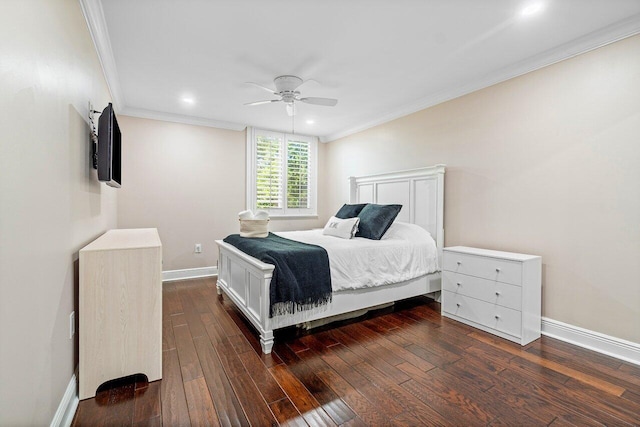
286, 89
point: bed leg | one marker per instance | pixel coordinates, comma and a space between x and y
266, 341
436, 296
218, 289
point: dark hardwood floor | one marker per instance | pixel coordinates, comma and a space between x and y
400, 366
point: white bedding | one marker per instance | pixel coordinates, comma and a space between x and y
405, 252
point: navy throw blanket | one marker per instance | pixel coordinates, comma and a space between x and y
301, 279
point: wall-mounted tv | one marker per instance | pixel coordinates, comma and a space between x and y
109, 148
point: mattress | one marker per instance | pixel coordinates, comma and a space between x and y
405, 252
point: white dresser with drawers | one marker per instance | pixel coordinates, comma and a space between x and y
498, 292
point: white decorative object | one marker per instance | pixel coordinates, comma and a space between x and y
246, 280
343, 228
120, 308
254, 225
245, 215
261, 215
498, 292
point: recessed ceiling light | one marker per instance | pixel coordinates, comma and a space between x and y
188, 100
310, 122
532, 9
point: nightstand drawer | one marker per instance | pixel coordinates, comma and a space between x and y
490, 291
489, 315
487, 268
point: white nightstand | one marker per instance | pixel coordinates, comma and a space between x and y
498, 292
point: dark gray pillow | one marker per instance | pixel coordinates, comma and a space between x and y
350, 211
375, 220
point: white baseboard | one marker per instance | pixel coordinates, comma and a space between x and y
611, 346
68, 405
189, 273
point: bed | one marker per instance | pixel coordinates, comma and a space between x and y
246, 280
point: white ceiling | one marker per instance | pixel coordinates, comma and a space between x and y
382, 59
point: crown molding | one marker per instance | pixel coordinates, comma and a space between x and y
94, 15
178, 118
611, 34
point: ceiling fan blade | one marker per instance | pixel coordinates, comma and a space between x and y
261, 87
328, 102
292, 110
263, 102
304, 83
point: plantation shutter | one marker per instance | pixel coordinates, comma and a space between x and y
297, 174
269, 179
281, 173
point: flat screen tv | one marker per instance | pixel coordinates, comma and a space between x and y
109, 148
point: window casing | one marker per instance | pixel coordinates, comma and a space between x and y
281, 173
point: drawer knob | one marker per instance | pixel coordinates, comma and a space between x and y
458, 304
497, 293
497, 270
459, 262
497, 317
458, 283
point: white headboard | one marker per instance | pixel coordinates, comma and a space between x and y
419, 191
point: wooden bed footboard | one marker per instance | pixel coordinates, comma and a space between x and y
246, 281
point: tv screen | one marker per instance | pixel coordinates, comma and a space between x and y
109, 148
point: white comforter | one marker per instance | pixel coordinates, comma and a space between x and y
405, 252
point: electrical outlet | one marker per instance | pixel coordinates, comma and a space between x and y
72, 324
198, 248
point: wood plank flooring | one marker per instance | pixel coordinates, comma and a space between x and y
404, 365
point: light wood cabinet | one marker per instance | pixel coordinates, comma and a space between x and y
120, 308
498, 292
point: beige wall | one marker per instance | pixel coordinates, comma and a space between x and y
189, 182
51, 203
547, 163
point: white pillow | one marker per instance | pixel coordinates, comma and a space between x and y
343, 228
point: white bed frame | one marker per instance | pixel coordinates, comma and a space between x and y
246, 280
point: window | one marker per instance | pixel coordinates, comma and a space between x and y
281, 173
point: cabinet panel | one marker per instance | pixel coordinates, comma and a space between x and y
490, 315
498, 292
120, 308
488, 268
494, 292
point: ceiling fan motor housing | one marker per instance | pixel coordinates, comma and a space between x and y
287, 83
